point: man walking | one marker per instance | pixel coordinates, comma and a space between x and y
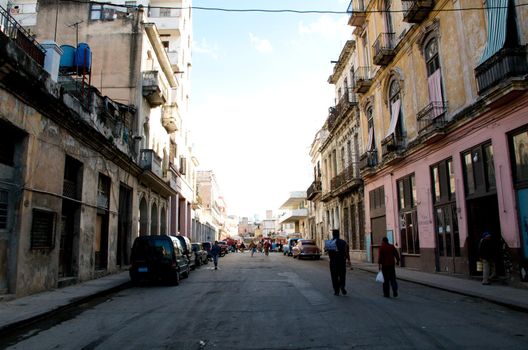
215, 252
339, 255
386, 257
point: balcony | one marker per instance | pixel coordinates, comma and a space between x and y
383, 49
362, 80
431, 120
368, 162
349, 179
149, 160
69, 189
501, 68
293, 216
153, 89
331, 121
358, 13
170, 119
173, 178
166, 19
346, 102
10, 28
392, 148
314, 189
415, 11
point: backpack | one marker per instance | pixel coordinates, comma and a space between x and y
330, 245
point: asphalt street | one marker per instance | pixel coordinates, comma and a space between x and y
278, 302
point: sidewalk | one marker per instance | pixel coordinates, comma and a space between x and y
25, 310
516, 298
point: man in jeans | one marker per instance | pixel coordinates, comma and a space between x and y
386, 257
215, 252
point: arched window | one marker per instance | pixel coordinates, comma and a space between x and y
371, 143
431, 56
396, 121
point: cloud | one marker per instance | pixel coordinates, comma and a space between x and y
327, 27
203, 47
261, 45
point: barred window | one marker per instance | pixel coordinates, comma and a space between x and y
42, 229
4, 202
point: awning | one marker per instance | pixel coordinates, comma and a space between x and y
497, 11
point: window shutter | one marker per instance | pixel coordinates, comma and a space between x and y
42, 229
183, 165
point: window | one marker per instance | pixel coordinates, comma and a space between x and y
519, 146
103, 192
396, 124
42, 229
479, 170
410, 242
377, 198
371, 143
446, 224
434, 77
4, 208
95, 12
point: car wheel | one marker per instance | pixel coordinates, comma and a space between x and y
176, 278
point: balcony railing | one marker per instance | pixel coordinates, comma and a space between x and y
415, 11
153, 89
505, 64
149, 160
431, 119
332, 118
362, 80
13, 30
337, 181
391, 146
358, 13
346, 102
314, 189
368, 160
383, 49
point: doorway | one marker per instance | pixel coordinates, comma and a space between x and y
124, 225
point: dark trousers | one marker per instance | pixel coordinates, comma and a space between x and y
389, 275
338, 274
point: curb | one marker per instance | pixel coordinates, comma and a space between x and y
509, 305
72, 303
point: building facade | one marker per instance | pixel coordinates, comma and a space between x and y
294, 216
443, 118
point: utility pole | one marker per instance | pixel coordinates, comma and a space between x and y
76, 25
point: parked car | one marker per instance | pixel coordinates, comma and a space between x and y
157, 258
224, 247
187, 250
287, 248
306, 248
200, 254
207, 247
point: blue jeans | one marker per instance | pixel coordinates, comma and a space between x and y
215, 260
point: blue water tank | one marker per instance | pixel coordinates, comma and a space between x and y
83, 58
67, 59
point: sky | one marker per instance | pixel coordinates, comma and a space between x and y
260, 94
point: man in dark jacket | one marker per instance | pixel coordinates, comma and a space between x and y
215, 252
488, 252
338, 260
386, 257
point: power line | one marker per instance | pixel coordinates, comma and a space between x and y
261, 10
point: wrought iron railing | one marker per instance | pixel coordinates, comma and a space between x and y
415, 11
506, 63
362, 79
384, 48
357, 11
13, 30
432, 117
314, 189
368, 160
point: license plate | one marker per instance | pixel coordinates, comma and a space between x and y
142, 269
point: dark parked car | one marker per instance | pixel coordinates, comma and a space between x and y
207, 247
187, 250
200, 253
306, 248
157, 258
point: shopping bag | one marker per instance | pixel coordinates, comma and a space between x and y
379, 277
479, 266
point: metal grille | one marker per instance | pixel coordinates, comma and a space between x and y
4, 202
